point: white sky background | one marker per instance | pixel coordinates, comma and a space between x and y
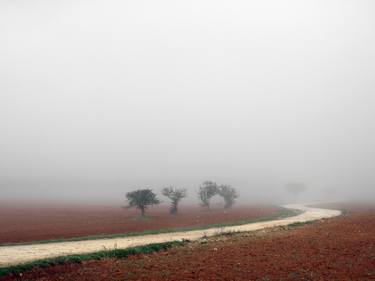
101, 97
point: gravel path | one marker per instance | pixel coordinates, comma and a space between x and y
13, 255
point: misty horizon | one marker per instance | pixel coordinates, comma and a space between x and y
251, 94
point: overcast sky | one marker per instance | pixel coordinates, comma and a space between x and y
101, 97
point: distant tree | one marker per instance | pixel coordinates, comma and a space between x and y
141, 199
295, 188
229, 195
207, 190
175, 195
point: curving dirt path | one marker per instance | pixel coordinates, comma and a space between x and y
13, 255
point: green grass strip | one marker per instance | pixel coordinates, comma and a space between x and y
296, 224
279, 214
78, 258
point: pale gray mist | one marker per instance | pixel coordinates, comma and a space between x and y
101, 97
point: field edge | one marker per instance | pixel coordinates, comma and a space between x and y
79, 258
281, 213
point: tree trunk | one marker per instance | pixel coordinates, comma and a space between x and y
143, 213
172, 211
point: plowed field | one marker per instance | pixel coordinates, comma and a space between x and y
33, 223
341, 248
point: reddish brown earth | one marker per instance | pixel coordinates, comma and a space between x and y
33, 223
341, 248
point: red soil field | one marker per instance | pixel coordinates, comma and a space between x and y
34, 223
341, 248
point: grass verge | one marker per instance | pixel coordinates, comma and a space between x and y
117, 253
279, 214
296, 224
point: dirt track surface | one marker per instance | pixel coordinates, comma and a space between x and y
12, 255
342, 248
27, 223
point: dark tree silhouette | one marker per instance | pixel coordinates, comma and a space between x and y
175, 195
229, 195
207, 190
141, 199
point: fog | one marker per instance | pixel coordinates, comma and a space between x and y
98, 98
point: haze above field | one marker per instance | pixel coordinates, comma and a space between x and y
98, 98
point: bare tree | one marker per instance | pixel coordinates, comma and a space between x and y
175, 195
229, 195
207, 190
295, 188
141, 199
